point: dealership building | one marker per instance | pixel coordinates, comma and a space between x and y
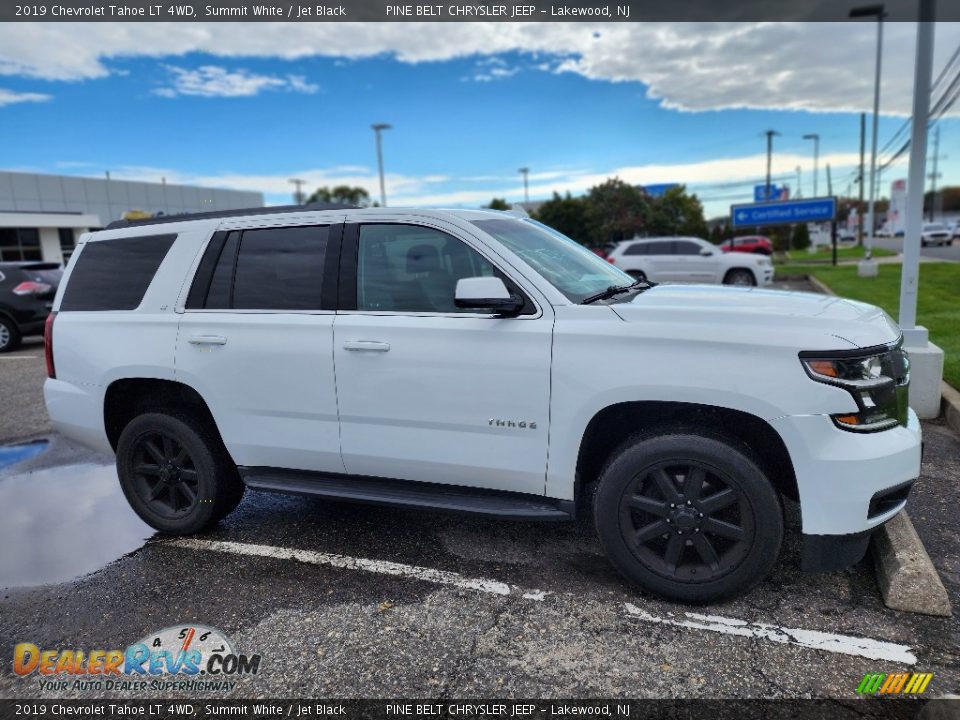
41, 216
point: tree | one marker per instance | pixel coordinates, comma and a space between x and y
677, 213
616, 211
801, 237
343, 194
567, 215
498, 204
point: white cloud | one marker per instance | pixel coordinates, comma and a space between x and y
692, 66
9, 97
215, 81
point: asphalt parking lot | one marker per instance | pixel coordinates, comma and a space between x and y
355, 601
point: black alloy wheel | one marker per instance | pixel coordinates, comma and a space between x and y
686, 521
165, 474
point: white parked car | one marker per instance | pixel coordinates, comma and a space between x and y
690, 260
935, 234
468, 360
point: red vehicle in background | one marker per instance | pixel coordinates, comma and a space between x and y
749, 244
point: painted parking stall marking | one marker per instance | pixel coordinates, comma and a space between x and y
811, 639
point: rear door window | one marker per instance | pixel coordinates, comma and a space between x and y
115, 274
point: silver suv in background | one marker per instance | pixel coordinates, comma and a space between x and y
690, 260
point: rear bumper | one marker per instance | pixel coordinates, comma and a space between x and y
77, 413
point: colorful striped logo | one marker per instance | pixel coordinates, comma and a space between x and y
894, 683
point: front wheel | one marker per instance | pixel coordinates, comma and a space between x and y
176, 474
688, 517
9, 335
743, 278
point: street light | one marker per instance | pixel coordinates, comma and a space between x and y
769, 134
877, 11
525, 171
377, 129
816, 158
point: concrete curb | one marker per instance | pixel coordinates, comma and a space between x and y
950, 406
906, 575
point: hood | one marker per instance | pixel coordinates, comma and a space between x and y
808, 321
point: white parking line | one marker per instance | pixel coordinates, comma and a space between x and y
19, 357
812, 639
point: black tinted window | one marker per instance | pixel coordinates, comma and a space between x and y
685, 247
661, 247
115, 274
280, 268
218, 296
637, 249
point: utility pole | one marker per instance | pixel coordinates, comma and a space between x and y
934, 174
830, 183
863, 137
799, 186
769, 134
816, 158
298, 196
525, 171
377, 129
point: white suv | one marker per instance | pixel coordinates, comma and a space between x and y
688, 259
448, 360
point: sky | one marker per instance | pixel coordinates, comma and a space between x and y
251, 105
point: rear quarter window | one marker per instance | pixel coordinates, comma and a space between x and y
115, 274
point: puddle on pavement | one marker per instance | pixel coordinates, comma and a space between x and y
13, 454
59, 523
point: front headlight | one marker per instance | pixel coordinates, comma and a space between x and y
876, 378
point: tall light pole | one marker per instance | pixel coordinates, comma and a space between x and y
298, 193
525, 171
816, 158
769, 134
377, 129
878, 12
799, 181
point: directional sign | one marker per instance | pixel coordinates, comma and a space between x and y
784, 213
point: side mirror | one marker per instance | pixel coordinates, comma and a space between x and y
706, 252
486, 293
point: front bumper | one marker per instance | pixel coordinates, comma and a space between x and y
848, 482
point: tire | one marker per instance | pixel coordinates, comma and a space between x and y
176, 474
637, 275
719, 538
737, 276
9, 335
923, 243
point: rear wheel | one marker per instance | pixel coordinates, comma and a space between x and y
9, 335
688, 517
176, 474
637, 275
743, 278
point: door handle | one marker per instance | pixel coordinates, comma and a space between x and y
368, 345
207, 340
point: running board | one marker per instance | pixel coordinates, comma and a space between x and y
408, 494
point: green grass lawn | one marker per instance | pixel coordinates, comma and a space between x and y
938, 306
843, 253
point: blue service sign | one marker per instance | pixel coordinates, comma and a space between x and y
782, 213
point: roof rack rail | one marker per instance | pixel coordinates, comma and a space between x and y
229, 213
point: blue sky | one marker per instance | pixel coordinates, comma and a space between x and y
575, 104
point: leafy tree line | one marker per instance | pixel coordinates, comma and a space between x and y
616, 210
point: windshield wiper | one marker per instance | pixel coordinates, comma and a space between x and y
617, 290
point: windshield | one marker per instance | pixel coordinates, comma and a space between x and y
564, 263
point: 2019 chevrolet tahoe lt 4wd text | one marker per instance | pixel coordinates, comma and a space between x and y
446, 359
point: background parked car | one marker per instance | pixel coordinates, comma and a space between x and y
935, 234
954, 229
749, 244
687, 259
26, 296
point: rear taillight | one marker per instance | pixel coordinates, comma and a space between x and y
29, 287
48, 345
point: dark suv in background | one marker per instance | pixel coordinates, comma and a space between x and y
26, 296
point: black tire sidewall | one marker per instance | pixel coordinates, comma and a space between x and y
727, 457
205, 461
15, 336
